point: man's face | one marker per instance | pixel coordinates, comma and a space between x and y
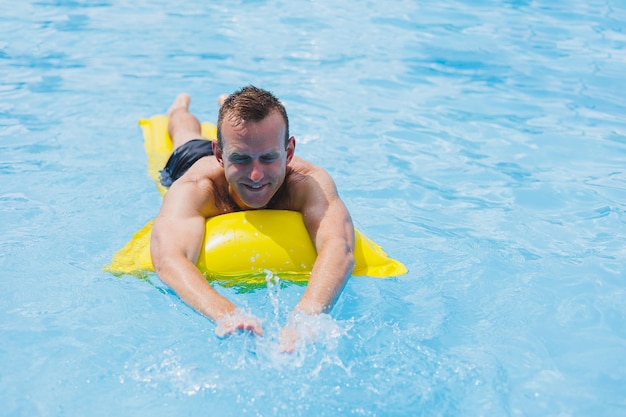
255, 159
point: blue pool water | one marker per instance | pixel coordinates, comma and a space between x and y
482, 143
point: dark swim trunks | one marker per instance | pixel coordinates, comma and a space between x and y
183, 158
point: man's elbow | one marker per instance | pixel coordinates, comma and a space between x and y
162, 261
349, 257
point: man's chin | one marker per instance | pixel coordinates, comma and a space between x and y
251, 201
254, 204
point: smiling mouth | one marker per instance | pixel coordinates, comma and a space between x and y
255, 187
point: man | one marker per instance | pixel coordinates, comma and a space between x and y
251, 166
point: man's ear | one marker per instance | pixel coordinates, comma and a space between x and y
291, 148
217, 151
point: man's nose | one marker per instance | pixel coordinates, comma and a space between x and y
256, 171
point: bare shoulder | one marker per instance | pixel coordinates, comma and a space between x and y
197, 192
309, 185
307, 170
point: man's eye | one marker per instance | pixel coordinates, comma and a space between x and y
239, 159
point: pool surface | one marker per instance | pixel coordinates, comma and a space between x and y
481, 143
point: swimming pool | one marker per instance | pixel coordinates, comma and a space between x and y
482, 143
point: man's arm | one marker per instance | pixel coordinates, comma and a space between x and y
175, 245
330, 226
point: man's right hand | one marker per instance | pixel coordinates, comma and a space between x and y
237, 322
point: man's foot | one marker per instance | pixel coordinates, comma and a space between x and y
180, 103
221, 99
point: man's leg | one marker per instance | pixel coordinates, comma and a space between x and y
183, 126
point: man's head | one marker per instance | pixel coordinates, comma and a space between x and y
250, 104
254, 146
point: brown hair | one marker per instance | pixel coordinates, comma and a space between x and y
250, 104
